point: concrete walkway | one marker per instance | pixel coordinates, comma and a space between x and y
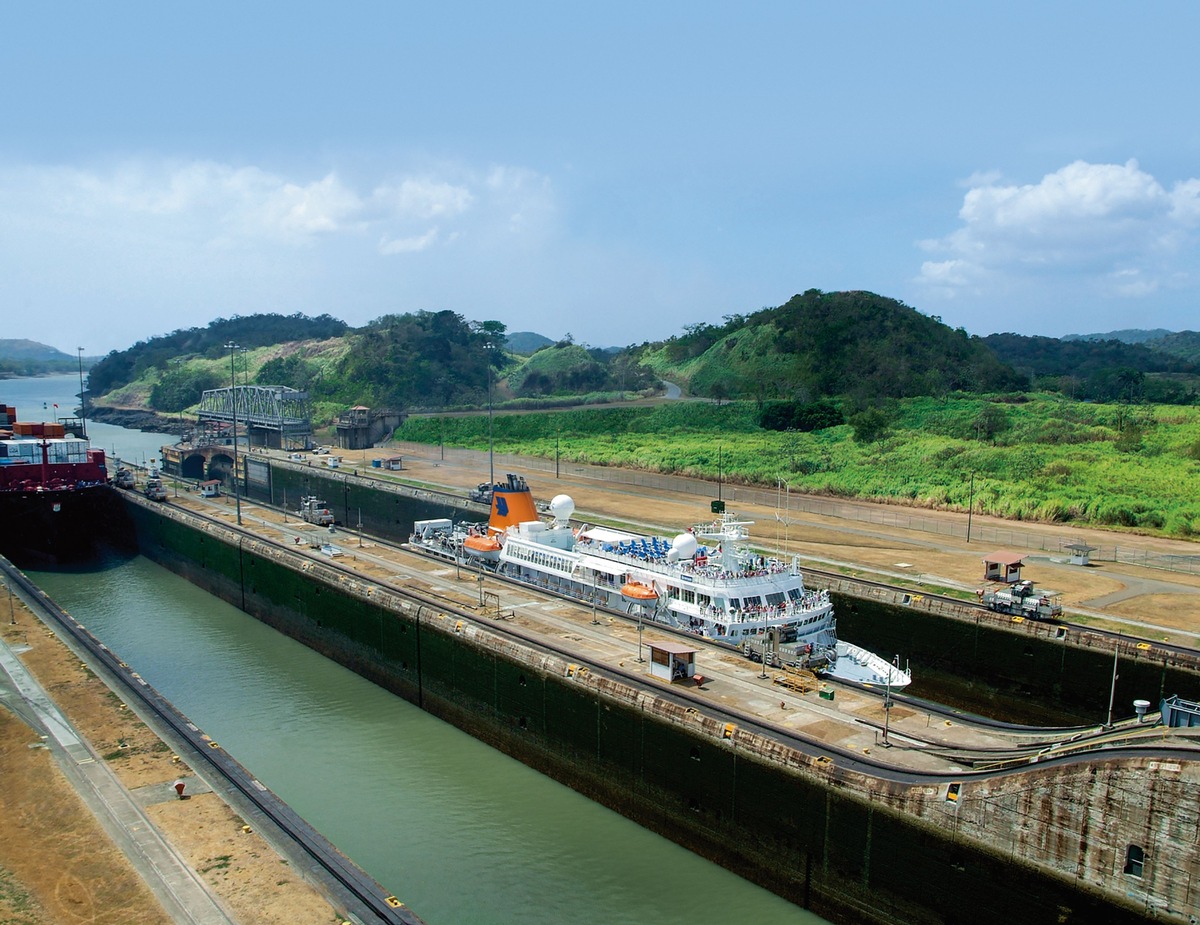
181, 892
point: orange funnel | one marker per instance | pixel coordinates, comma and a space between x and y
512, 504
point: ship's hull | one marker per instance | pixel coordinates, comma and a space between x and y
63, 526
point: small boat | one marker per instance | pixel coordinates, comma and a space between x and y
861, 666
638, 593
482, 546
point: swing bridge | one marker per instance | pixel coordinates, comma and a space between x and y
271, 415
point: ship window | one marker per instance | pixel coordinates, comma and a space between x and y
735, 603
754, 601
794, 593
1135, 860
775, 598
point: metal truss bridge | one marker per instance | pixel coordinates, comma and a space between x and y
280, 415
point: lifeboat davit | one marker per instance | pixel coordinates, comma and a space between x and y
638, 593
482, 547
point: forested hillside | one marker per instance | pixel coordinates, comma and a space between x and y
854, 345
1106, 370
818, 360
122, 367
30, 358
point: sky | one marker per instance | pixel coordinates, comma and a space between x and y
612, 171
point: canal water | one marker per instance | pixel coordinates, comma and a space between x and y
460, 832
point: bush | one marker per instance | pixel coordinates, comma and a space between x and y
801, 416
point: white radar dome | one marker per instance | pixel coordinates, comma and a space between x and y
684, 545
562, 507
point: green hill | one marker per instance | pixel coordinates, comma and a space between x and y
1125, 335
30, 358
31, 350
855, 345
1105, 370
526, 343
1185, 345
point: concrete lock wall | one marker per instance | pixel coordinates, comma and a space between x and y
1060, 671
1066, 675
1047, 845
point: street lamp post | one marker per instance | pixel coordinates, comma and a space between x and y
491, 458
970, 507
1112, 692
237, 490
887, 703
641, 608
787, 510
82, 398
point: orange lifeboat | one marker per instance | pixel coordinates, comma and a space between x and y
482, 547
638, 593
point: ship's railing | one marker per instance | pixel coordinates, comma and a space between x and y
813, 603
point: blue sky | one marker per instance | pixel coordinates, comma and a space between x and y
613, 171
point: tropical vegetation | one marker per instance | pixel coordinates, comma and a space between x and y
1036, 457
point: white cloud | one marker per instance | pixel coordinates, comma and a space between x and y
141, 247
1110, 227
226, 205
408, 245
423, 198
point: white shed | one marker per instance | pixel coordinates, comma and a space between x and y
673, 661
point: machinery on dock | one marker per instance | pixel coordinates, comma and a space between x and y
155, 490
315, 511
1021, 599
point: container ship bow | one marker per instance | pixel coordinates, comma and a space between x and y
55, 502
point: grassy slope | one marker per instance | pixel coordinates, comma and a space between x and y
1058, 461
324, 353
